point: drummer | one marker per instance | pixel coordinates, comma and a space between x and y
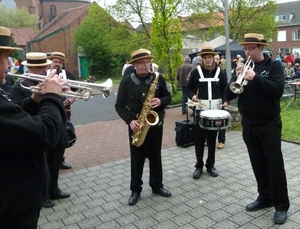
206, 85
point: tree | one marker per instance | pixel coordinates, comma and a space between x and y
104, 42
245, 16
14, 18
166, 38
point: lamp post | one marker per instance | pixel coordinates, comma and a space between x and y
227, 53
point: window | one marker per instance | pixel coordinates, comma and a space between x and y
281, 36
53, 10
296, 34
284, 50
284, 17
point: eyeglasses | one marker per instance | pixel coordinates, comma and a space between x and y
143, 62
251, 48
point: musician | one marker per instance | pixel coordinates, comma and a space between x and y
259, 105
8, 81
24, 139
37, 63
206, 85
58, 61
133, 91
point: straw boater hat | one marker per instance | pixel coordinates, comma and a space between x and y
140, 54
5, 39
254, 38
205, 50
59, 55
36, 59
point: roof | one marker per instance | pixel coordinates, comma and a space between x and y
290, 8
22, 35
61, 21
218, 41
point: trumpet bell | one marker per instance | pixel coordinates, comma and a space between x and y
236, 88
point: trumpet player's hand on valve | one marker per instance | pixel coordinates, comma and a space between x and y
249, 72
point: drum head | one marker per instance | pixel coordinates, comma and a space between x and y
215, 114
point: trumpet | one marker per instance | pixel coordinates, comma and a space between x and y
237, 87
84, 90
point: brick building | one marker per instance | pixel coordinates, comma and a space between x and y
58, 36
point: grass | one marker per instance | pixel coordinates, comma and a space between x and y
290, 122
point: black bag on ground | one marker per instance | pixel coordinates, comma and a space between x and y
184, 133
70, 131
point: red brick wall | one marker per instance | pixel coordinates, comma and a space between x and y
289, 43
63, 41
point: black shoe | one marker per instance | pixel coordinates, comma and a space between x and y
48, 203
133, 199
256, 205
280, 217
197, 173
212, 171
162, 192
64, 165
61, 195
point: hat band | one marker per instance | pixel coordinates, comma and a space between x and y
41, 61
58, 56
252, 39
206, 50
141, 55
5, 40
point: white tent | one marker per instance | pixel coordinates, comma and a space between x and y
218, 41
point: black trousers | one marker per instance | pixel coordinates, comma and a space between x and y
151, 148
200, 137
54, 158
28, 220
264, 147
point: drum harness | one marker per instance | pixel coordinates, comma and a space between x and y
210, 101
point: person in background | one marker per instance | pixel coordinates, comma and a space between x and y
259, 105
8, 81
181, 76
198, 91
221, 133
132, 93
223, 62
58, 61
289, 71
125, 66
26, 133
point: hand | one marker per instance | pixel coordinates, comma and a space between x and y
194, 98
53, 83
155, 102
36, 96
134, 125
225, 104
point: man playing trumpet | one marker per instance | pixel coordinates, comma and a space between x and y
259, 105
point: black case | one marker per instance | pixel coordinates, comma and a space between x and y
184, 133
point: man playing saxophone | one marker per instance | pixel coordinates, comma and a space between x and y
140, 93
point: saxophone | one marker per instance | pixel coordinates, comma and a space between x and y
147, 117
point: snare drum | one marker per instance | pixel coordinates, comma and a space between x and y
214, 119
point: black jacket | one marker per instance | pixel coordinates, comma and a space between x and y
24, 138
132, 93
260, 101
218, 88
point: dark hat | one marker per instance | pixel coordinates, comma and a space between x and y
207, 50
140, 54
36, 59
59, 55
254, 38
6, 38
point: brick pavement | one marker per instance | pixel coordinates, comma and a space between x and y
99, 185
